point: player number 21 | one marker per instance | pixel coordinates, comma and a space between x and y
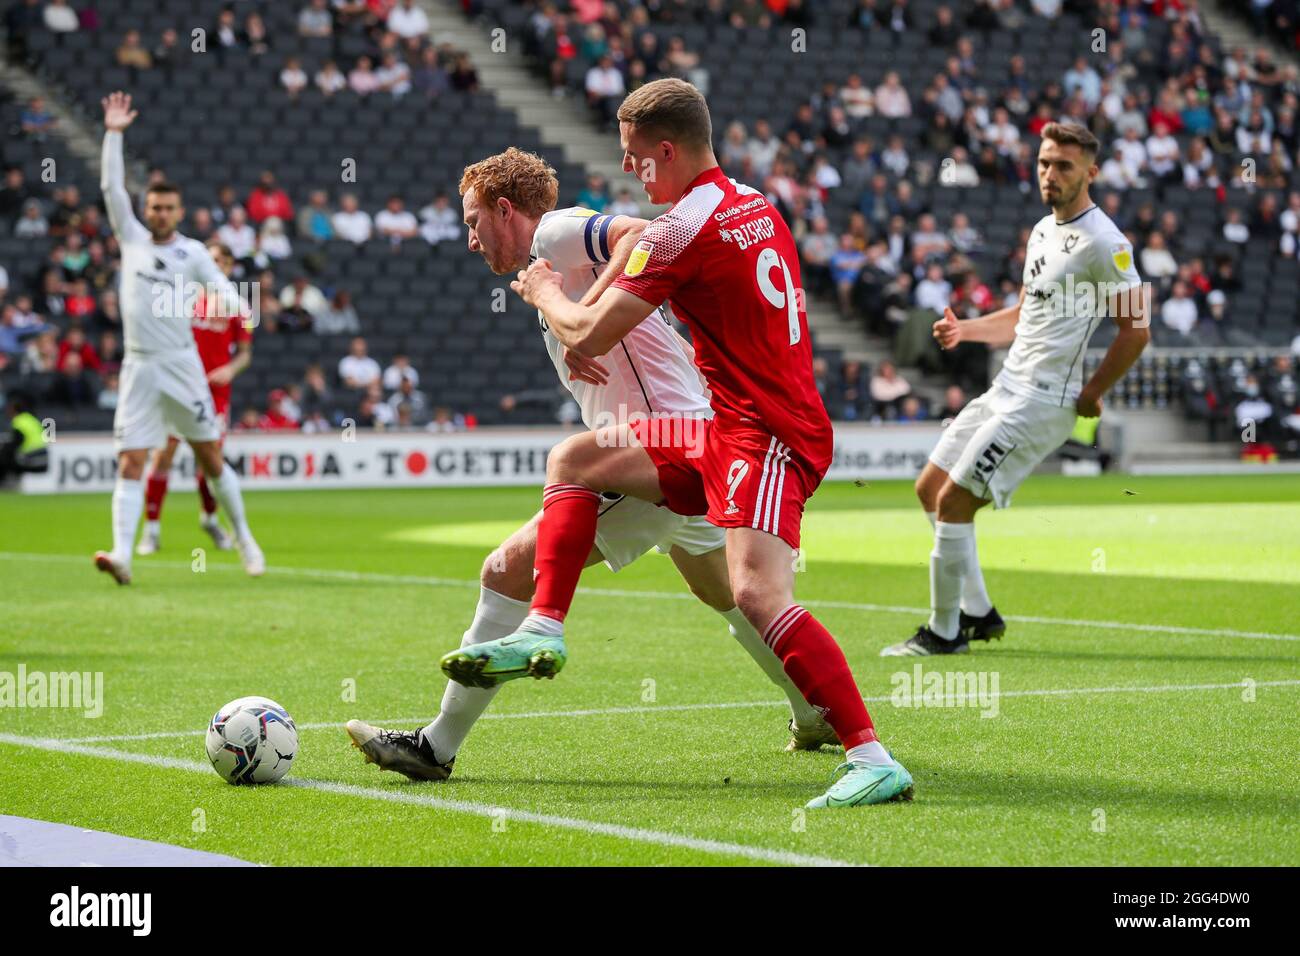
769, 259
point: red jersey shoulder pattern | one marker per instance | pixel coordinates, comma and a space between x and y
725, 259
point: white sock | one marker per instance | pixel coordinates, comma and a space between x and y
932, 517
974, 596
803, 712
495, 617
541, 624
153, 527
226, 490
953, 545
873, 753
128, 502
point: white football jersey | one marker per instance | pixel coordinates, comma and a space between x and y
1071, 270
159, 282
650, 371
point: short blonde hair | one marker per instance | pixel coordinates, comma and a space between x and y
521, 177
669, 109
1072, 134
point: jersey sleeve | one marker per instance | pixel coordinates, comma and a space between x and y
661, 262
575, 239
117, 201
1114, 268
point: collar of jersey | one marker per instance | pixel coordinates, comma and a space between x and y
1074, 218
712, 175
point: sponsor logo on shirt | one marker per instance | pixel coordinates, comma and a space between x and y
636, 262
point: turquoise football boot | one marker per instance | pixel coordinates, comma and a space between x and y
860, 784
521, 654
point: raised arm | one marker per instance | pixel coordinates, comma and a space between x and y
118, 115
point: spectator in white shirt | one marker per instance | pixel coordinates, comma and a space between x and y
316, 20
393, 75
1158, 262
1002, 134
1163, 155
237, 235
624, 204
1235, 228
330, 79
892, 99
303, 298
351, 222
293, 78
857, 98
400, 371
357, 369
1179, 310
395, 222
408, 20
763, 147
439, 222
61, 18
273, 242
1133, 153
934, 291
605, 90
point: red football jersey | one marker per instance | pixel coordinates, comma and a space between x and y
726, 261
216, 337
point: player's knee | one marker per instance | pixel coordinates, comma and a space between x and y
955, 503
753, 599
715, 595
566, 460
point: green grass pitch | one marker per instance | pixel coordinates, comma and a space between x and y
1149, 708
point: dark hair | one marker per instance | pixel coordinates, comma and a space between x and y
165, 186
1072, 134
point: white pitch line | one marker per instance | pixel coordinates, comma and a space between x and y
731, 705
593, 827
381, 578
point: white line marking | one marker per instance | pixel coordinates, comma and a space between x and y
675, 708
381, 578
635, 834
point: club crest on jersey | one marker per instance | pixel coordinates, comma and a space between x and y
1122, 256
1070, 242
636, 262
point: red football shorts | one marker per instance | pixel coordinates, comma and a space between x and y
738, 475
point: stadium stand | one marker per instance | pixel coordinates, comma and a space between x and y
221, 118
897, 137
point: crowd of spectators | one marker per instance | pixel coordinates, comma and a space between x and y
1171, 116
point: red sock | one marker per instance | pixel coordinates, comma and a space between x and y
564, 539
155, 490
209, 502
817, 666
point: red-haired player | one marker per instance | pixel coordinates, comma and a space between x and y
726, 261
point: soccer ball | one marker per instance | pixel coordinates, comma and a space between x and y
252, 740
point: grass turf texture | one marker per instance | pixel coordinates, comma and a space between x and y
1179, 777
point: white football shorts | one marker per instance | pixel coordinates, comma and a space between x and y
629, 527
998, 440
161, 394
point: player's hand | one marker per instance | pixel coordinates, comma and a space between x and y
221, 375
532, 283
583, 369
118, 114
947, 331
1088, 405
